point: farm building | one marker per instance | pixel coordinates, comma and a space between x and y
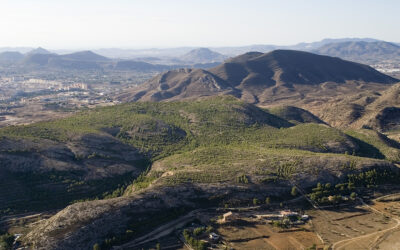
229, 217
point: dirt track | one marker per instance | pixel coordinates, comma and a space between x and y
369, 239
160, 231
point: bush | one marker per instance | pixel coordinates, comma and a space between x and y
96, 246
198, 231
242, 179
255, 201
313, 247
6, 241
196, 244
294, 191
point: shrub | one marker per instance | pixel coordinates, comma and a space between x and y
96, 246
255, 201
6, 241
198, 231
294, 191
242, 179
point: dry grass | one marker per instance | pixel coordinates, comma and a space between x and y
252, 235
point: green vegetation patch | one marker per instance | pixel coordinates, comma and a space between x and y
376, 145
212, 140
162, 129
249, 164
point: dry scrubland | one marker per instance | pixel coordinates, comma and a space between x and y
209, 152
251, 235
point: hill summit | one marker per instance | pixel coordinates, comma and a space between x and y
203, 55
256, 77
39, 50
87, 56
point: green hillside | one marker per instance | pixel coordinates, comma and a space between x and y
158, 157
99, 152
159, 129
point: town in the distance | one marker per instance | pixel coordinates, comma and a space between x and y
37, 84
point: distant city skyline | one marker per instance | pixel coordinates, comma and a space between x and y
138, 24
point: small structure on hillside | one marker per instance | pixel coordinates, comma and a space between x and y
288, 213
292, 218
214, 237
305, 217
229, 217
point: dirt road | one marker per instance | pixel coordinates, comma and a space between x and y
161, 231
375, 235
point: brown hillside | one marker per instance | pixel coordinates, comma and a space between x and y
261, 78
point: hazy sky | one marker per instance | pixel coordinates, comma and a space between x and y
169, 23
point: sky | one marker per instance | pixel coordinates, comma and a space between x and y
73, 24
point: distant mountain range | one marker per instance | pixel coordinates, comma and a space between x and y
300, 46
361, 51
364, 50
314, 45
21, 50
84, 60
228, 51
138, 65
256, 77
43, 57
180, 51
11, 56
77, 60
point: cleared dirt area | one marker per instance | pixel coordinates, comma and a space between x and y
391, 238
389, 242
247, 234
341, 225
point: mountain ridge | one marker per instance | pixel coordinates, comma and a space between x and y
255, 73
79, 60
11, 56
361, 51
